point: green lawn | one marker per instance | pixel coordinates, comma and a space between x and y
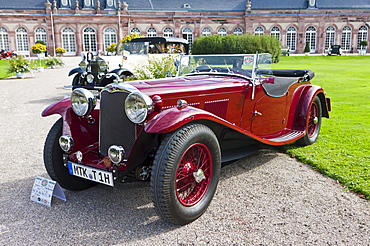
3, 69
343, 148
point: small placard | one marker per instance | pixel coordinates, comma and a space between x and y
44, 189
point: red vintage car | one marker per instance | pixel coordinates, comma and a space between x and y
177, 131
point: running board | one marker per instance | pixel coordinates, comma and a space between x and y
289, 137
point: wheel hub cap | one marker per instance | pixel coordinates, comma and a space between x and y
199, 175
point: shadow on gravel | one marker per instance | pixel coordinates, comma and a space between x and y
98, 216
46, 101
234, 168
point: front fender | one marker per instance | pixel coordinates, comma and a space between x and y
173, 118
80, 128
120, 71
75, 70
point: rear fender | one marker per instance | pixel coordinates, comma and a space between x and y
82, 130
301, 103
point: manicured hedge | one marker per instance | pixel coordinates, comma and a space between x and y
237, 44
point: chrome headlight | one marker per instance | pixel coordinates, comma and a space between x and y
116, 153
103, 66
137, 106
66, 143
82, 101
90, 78
83, 65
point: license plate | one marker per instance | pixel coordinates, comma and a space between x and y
90, 173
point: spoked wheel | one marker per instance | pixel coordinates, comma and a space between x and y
185, 174
53, 160
313, 123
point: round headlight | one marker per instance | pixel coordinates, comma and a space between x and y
66, 143
90, 78
82, 101
137, 106
83, 65
103, 66
116, 153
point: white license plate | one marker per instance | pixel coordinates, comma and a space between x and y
93, 174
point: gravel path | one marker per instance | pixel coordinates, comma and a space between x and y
264, 199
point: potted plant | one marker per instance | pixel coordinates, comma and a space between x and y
60, 51
52, 62
111, 49
363, 45
307, 49
39, 49
19, 65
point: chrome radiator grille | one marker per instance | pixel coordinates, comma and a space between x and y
115, 127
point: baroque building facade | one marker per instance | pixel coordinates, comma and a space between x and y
78, 25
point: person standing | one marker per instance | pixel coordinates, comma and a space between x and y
89, 56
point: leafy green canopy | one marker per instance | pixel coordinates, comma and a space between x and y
237, 44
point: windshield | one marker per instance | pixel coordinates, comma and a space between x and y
248, 65
133, 48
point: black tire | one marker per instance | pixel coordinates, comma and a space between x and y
53, 161
313, 123
177, 195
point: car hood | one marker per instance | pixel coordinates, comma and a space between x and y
189, 86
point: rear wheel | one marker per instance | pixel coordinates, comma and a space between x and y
185, 174
53, 160
313, 123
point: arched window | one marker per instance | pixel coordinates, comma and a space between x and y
69, 41
22, 39
40, 34
110, 4
362, 35
152, 32
89, 38
187, 34
110, 36
222, 31
238, 31
291, 38
135, 30
329, 37
311, 38
88, 4
4, 39
167, 32
346, 38
259, 30
206, 32
275, 32
65, 4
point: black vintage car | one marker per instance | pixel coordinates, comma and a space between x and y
95, 74
335, 49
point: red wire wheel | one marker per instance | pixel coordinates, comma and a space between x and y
194, 174
185, 173
313, 120
313, 123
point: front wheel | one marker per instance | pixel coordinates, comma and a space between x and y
185, 174
313, 123
53, 160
